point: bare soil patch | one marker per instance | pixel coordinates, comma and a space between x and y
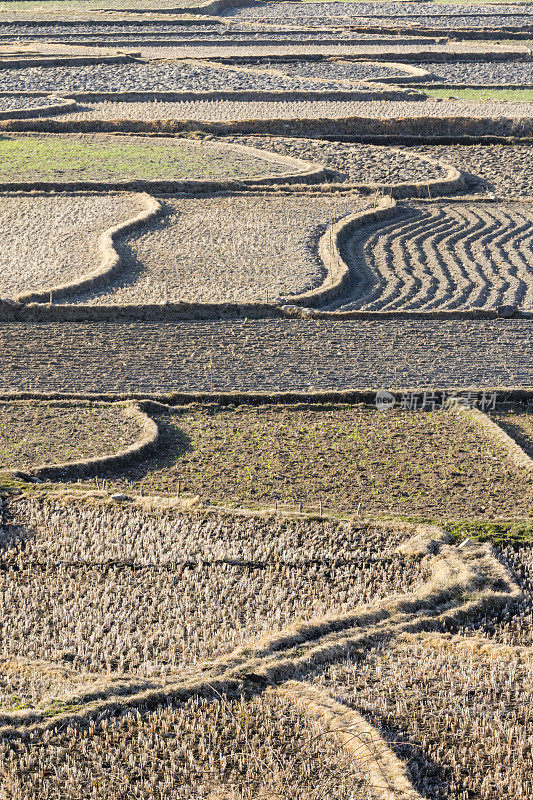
443, 256
47, 240
36, 433
264, 355
227, 249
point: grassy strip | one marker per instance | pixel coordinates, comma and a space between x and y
87, 157
517, 95
501, 532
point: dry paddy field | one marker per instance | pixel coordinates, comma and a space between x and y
501, 170
50, 239
356, 163
32, 433
187, 254
234, 594
496, 117
442, 256
264, 355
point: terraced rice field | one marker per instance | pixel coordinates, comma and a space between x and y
412, 15
255, 545
401, 462
152, 613
81, 157
518, 422
187, 255
442, 256
267, 728
32, 434
502, 73
489, 112
161, 77
352, 162
264, 355
48, 240
440, 685
501, 170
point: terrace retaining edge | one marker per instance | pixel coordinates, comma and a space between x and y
150, 435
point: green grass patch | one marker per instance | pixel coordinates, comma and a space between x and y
517, 95
347, 457
515, 534
88, 157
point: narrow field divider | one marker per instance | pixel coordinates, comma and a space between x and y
83, 468
463, 581
59, 105
329, 250
517, 455
111, 262
386, 774
380, 130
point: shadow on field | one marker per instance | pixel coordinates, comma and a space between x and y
172, 445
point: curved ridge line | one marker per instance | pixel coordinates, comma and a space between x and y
111, 261
385, 772
457, 575
337, 270
150, 435
62, 105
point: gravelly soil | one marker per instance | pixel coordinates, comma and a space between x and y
264, 355
443, 256
410, 15
350, 162
503, 170
351, 71
231, 36
334, 9
81, 29
481, 72
223, 249
8, 103
452, 22
46, 240
326, 109
159, 77
32, 434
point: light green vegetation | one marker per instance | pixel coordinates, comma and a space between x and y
94, 157
500, 532
517, 95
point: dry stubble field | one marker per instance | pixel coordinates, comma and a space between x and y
240, 594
